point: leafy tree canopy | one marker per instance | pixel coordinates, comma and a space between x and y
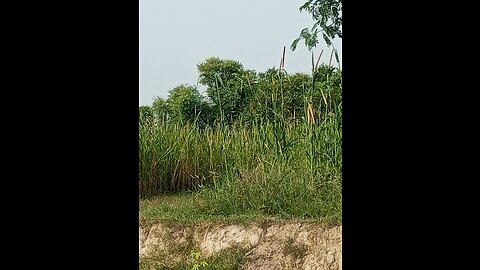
327, 17
229, 86
184, 102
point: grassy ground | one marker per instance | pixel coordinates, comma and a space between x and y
192, 208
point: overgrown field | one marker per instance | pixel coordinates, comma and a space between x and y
259, 144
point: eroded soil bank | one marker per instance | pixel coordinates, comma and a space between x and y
263, 245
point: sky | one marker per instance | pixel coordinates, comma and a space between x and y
175, 36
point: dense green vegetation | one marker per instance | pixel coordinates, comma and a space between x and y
267, 143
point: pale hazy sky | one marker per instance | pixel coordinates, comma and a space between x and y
175, 36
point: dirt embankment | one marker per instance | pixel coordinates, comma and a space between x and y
277, 245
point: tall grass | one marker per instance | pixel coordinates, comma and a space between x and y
271, 166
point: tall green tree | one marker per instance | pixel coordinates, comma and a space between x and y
229, 86
327, 17
184, 103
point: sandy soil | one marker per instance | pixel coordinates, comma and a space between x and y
280, 245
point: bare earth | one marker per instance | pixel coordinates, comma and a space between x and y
281, 245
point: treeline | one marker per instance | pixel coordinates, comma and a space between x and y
235, 94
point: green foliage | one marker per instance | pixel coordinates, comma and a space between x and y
327, 17
213, 67
184, 103
295, 88
160, 109
268, 98
229, 86
198, 261
145, 114
282, 95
